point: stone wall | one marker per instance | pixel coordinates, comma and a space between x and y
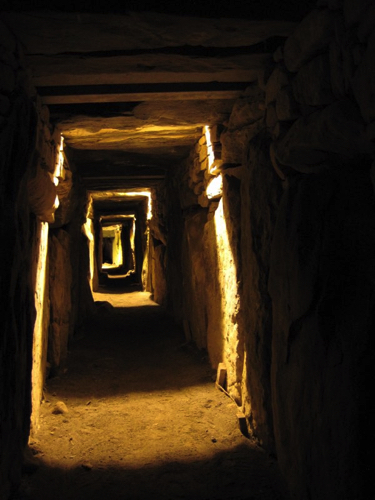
156, 246
27, 197
203, 261
320, 106
293, 319
37, 291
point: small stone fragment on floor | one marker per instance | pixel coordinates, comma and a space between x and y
86, 466
60, 408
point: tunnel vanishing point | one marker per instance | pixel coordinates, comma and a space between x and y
222, 155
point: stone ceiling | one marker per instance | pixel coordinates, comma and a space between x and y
131, 91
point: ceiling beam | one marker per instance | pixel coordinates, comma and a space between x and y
137, 97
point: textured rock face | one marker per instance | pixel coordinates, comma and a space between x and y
40, 286
147, 82
23, 138
260, 193
60, 281
42, 195
194, 279
158, 273
28, 155
321, 282
305, 311
273, 274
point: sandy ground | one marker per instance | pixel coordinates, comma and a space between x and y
144, 419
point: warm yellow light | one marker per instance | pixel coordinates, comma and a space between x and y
210, 149
38, 337
132, 240
143, 193
57, 203
227, 277
88, 231
117, 217
108, 195
215, 188
59, 168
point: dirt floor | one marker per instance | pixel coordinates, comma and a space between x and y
143, 419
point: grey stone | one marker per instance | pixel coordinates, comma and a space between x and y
260, 194
335, 134
42, 195
312, 84
246, 109
60, 408
321, 275
60, 281
311, 36
235, 142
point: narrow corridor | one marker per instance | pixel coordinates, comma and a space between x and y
143, 418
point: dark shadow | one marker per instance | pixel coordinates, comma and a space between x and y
121, 285
129, 349
242, 473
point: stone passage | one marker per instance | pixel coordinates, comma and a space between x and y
225, 161
137, 416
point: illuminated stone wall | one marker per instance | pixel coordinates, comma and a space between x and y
285, 295
157, 283
273, 273
209, 283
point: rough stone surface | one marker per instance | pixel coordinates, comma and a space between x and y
234, 142
247, 109
17, 233
312, 84
60, 408
194, 280
260, 192
278, 79
286, 106
159, 285
331, 136
197, 68
311, 36
60, 281
321, 284
42, 195
297, 352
